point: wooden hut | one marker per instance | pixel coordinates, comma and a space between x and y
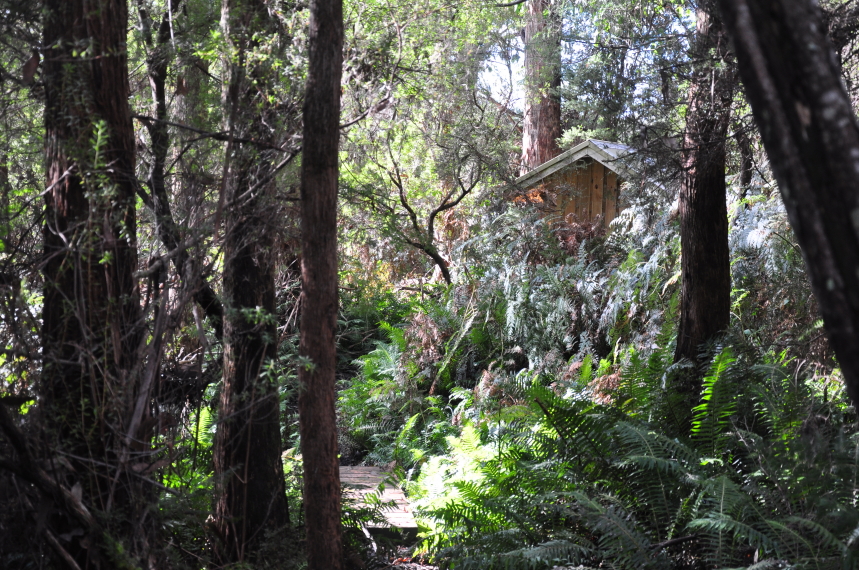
584, 181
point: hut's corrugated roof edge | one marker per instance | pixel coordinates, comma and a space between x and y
612, 155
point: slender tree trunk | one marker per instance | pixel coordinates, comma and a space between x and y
319, 174
91, 305
792, 80
705, 295
541, 128
250, 496
157, 63
744, 144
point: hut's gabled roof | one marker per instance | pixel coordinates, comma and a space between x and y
612, 155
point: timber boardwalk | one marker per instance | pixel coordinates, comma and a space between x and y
360, 480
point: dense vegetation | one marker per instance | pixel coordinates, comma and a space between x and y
516, 371
542, 434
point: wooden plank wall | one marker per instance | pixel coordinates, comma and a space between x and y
597, 182
587, 190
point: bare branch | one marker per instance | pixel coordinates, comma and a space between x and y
219, 136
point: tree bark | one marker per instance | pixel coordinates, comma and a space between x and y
250, 496
705, 295
91, 311
747, 162
541, 127
319, 175
436, 257
792, 80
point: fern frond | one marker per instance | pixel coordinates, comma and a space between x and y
711, 418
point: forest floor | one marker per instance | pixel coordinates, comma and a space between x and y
400, 559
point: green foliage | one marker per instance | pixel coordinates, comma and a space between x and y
615, 86
526, 402
585, 484
383, 410
711, 418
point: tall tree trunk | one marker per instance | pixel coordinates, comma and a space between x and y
541, 128
705, 295
319, 174
792, 80
250, 496
91, 310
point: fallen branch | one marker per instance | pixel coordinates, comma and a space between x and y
659, 546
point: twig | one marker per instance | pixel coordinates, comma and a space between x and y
267, 178
160, 264
29, 470
672, 542
52, 540
218, 136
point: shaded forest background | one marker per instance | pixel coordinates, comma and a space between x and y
243, 243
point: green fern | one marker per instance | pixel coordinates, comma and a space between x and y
711, 418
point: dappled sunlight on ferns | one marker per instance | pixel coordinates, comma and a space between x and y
531, 411
585, 484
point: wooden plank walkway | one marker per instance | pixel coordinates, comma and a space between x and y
362, 480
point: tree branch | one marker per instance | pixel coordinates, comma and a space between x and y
219, 136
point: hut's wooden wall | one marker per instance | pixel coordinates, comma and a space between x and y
588, 189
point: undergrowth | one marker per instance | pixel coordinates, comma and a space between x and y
585, 484
528, 406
